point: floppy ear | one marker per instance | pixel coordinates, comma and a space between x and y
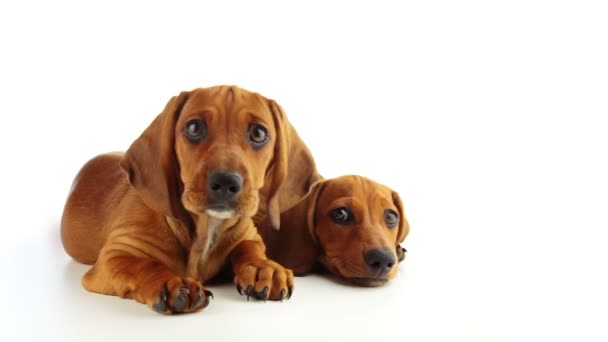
296, 245
404, 227
312, 198
151, 163
292, 170
278, 169
401, 253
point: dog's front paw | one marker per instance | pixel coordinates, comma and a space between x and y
264, 279
179, 295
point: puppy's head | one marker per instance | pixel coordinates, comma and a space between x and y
210, 152
358, 225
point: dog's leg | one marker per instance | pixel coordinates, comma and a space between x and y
257, 276
145, 280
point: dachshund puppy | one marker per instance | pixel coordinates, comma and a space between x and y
350, 226
170, 213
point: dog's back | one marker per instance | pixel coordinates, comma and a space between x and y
97, 190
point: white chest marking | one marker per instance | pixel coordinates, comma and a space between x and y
213, 224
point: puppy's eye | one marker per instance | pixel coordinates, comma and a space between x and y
195, 130
391, 218
342, 215
258, 135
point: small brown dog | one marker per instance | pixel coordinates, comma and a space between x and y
350, 225
171, 212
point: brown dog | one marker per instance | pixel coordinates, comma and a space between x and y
351, 226
169, 213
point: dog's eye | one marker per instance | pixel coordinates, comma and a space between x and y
195, 130
341, 215
258, 135
391, 218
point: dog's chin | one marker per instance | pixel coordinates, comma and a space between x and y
220, 214
355, 280
366, 282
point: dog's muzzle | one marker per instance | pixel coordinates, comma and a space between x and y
223, 188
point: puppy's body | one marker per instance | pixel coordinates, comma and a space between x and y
111, 220
363, 249
173, 210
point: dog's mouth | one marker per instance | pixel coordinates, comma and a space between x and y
354, 280
367, 282
220, 211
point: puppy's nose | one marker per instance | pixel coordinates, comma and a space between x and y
380, 260
224, 185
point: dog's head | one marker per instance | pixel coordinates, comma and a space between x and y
217, 151
358, 225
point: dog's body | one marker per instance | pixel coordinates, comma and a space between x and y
173, 210
350, 226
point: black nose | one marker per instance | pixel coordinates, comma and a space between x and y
224, 185
380, 260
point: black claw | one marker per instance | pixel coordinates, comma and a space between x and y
263, 294
239, 289
199, 301
249, 292
282, 295
290, 292
161, 303
209, 293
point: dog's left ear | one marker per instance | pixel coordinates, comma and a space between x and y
401, 253
404, 227
292, 170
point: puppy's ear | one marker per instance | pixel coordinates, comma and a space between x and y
151, 163
278, 168
401, 252
292, 169
404, 227
312, 198
297, 246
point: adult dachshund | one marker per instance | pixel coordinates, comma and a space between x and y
172, 211
351, 226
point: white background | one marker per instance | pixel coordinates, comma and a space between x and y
489, 117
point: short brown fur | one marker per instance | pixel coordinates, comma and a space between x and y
310, 238
140, 217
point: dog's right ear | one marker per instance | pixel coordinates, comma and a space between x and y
151, 163
297, 242
312, 198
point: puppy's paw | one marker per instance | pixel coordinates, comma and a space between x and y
264, 279
179, 295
